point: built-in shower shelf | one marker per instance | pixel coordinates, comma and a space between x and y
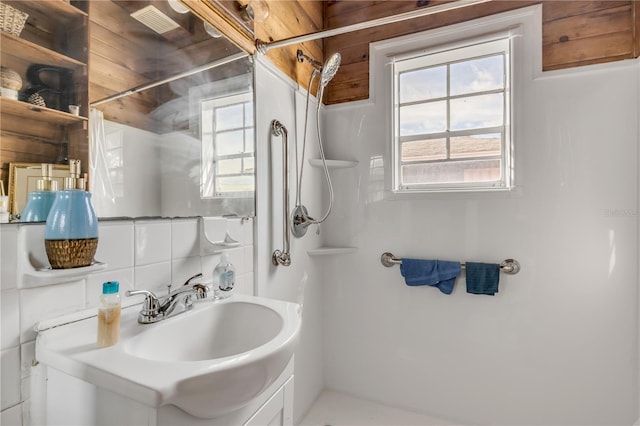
333, 164
328, 251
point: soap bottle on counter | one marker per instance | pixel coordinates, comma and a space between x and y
39, 202
109, 314
224, 277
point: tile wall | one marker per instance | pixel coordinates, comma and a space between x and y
140, 254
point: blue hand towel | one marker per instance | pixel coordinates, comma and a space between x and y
482, 278
435, 273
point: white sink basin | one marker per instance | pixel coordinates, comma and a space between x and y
209, 361
207, 334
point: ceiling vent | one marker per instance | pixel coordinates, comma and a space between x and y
154, 19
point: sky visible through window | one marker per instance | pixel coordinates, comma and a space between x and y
451, 121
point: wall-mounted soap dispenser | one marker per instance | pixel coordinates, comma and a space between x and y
71, 232
39, 202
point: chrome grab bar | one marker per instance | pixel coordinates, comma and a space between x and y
283, 257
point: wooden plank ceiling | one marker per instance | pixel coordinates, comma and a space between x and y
125, 54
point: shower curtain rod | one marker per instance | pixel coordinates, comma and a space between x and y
193, 71
263, 46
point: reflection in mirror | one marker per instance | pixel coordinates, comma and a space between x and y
171, 124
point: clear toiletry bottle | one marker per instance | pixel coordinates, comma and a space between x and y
109, 314
224, 277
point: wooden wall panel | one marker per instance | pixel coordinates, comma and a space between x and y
289, 19
575, 33
351, 82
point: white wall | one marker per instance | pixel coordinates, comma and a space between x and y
277, 97
559, 343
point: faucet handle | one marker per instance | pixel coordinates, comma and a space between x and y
151, 305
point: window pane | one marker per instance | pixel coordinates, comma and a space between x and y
477, 75
476, 146
229, 117
451, 172
424, 118
428, 83
477, 112
248, 111
249, 140
235, 184
431, 149
249, 165
230, 143
227, 167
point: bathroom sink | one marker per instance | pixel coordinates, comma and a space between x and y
230, 329
209, 361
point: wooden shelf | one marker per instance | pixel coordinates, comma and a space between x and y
328, 251
26, 110
34, 53
333, 164
64, 12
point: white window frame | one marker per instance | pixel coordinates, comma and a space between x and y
498, 44
524, 27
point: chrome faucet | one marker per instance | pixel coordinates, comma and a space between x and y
156, 309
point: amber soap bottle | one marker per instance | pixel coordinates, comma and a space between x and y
109, 314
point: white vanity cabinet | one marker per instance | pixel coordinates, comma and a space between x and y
72, 401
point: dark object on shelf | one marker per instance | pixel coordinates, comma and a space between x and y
53, 84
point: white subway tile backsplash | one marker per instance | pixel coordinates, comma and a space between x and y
11, 416
155, 277
152, 242
115, 244
10, 318
10, 372
27, 356
48, 302
185, 241
8, 244
244, 284
248, 231
183, 269
94, 284
248, 259
236, 257
208, 264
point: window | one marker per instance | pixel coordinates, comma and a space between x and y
452, 112
228, 160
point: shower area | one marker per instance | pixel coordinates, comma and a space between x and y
558, 344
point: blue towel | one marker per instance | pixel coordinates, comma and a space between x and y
435, 273
482, 278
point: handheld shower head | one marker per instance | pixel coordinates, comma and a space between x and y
330, 69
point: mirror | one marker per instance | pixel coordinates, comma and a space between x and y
171, 123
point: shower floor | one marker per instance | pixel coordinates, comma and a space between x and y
336, 409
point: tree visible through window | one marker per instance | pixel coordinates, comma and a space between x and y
452, 114
228, 160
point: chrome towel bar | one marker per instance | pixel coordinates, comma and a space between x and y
508, 266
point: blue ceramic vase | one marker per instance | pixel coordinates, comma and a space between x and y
71, 232
38, 206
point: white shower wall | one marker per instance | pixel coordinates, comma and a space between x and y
277, 97
559, 343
